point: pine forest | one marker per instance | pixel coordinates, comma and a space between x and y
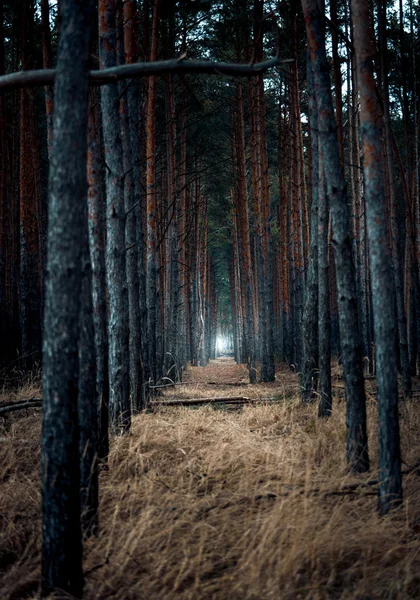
209, 299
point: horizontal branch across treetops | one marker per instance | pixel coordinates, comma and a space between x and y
144, 69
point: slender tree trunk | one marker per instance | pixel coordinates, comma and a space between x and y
87, 399
357, 447
324, 319
282, 220
397, 257
182, 233
132, 53
310, 316
119, 401
134, 341
97, 259
30, 208
152, 206
244, 241
62, 543
390, 486
47, 64
3, 200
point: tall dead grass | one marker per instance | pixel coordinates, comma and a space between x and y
213, 504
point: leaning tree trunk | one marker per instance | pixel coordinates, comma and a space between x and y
62, 541
383, 296
119, 401
357, 448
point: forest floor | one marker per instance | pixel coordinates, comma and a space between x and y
251, 502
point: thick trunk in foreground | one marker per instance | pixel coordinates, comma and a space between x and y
383, 298
119, 401
62, 543
357, 448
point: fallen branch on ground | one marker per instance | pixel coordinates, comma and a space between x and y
223, 383
223, 400
13, 406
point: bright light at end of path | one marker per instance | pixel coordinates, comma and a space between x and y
222, 344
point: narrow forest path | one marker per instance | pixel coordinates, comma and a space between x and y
224, 378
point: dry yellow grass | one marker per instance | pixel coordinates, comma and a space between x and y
216, 504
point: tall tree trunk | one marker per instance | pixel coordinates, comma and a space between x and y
119, 400
152, 205
357, 447
87, 399
182, 233
3, 200
30, 207
62, 543
244, 241
310, 316
397, 257
134, 92
390, 486
96, 206
47, 64
324, 319
134, 341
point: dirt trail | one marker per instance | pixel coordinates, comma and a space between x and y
223, 377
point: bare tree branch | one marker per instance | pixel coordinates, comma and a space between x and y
43, 77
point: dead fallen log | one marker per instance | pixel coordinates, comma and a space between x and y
13, 406
223, 383
222, 400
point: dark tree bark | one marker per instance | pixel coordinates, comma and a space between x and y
310, 315
357, 448
97, 258
134, 342
244, 246
30, 206
119, 400
3, 199
182, 233
397, 255
62, 543
152, 208
47, 64
324, 318
134, 94
88, 398
383, 295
